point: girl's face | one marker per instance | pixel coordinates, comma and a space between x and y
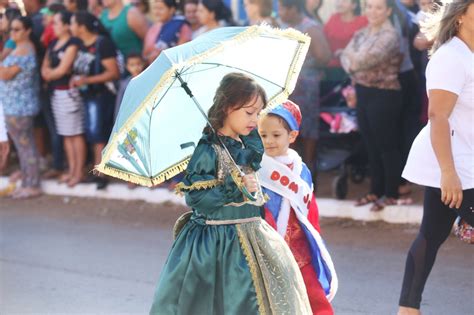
377, 12
58, 26
18, 32
190, 10
345, 6
275, 137
245, 119
204, 15
162, 12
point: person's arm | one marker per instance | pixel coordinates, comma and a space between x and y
185, 34
5, 52
319, 47
65, 65
8, 73
137, 22
421, 42
201, 186
441, 105
111, 72
149, 49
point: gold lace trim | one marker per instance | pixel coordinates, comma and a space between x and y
251, 262
199, 185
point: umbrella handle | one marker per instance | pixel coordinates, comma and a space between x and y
248, 194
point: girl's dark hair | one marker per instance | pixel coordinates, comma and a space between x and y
300, 5
221, 11
234, 91
91, 23
65, 17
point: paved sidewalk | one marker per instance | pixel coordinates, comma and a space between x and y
328, 207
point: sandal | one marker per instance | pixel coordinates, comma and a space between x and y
383, 202
26, 193
365, 200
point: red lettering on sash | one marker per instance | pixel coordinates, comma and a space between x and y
275, 176
306, 198
284, 181
293, 187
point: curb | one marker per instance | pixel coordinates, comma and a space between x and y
330, 208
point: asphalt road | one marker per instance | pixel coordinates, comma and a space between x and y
85, 256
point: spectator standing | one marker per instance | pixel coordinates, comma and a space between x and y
5, 22
442, 155
260, 11
75, 5
67, 105
339, 30
126, 25
312, 9
95, 7
410, 125
19, 95
212, 14
96, 69
190, 9
372, 59
306, 94
170, 30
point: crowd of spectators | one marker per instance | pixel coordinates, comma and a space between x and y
64, 66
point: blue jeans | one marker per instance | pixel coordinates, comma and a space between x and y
99, 116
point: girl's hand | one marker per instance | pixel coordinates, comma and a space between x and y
451, 189
250, 183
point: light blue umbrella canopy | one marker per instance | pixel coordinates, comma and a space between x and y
159, 124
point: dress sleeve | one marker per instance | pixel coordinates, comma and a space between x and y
201, 186
446, 71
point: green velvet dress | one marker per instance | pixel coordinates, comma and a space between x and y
227, 259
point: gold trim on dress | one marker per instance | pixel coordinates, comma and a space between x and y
253, 267
235, 221
199, 185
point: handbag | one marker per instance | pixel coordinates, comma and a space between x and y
464, 231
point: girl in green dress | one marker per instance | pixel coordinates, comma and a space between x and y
226, 259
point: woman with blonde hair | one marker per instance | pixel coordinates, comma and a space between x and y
442, 155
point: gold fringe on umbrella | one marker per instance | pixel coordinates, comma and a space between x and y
250, 33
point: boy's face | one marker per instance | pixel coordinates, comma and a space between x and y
135, 66
276, 139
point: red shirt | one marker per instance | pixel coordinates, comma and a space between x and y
339, 34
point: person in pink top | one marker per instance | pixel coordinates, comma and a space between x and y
170, 29
339, 30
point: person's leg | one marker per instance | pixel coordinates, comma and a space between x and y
365, 103
79, 149
21, 131
57, 148
70, 160
435, 227
383, 115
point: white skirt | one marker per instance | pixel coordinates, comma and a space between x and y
68, 112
